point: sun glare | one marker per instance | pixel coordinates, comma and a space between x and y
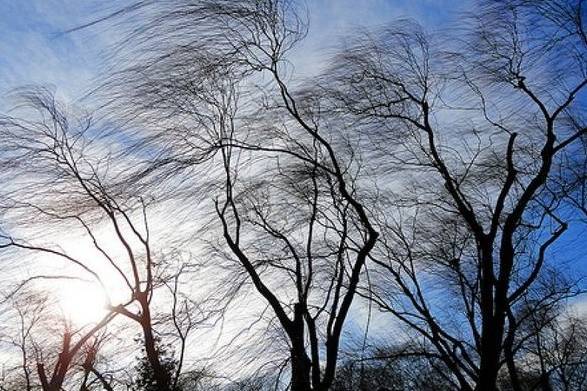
82, 303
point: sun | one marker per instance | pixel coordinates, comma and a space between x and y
82, 302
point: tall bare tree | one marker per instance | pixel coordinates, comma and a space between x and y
60, 176
478, 128
446, 166
288, 205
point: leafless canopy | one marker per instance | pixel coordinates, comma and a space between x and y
430, 174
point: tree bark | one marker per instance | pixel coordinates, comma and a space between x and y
162, 378
300, 363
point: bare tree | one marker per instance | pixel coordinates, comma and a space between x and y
68, 353
289, 210
28, 310
447, 166
49, 346
210, 81
62, 176
396, 368
481, 124
556, 354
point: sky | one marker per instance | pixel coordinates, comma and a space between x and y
34, 49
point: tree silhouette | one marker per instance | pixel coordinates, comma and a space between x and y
433, 175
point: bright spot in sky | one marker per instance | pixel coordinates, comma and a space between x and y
81, 302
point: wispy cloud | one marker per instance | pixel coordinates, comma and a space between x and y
34, 50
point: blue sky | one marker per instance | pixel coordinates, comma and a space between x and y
33, 50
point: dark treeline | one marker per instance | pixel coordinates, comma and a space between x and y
408, 218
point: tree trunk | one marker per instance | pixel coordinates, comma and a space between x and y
490, 330
162, 378
300, 372
300, 363
61, 367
